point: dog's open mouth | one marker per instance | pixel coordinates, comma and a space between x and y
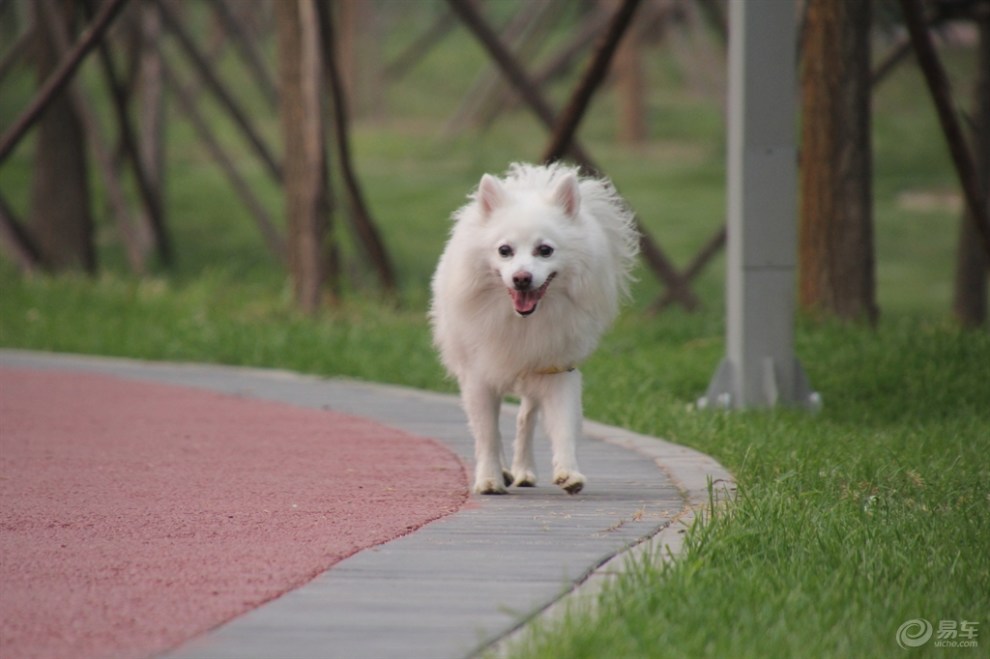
524, 302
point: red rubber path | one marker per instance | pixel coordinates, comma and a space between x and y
136, 515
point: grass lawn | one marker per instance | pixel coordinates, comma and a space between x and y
848, 523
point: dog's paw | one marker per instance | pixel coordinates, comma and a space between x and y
524, 478
491, 486
507, 477
571, 482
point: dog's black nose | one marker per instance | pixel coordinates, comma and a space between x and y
522, 281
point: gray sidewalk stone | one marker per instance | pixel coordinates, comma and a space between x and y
461, 584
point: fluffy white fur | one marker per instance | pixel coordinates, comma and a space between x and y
532, 275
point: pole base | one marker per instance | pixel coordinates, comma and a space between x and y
726, 391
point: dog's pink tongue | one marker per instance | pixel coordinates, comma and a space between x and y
524, 302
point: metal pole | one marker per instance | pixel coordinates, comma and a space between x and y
760, 368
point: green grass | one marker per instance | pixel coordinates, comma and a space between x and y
848, 522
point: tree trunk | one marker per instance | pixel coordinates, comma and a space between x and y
60, 205
836, 269
360, 58
360, 215
305, 168
151, 101
630, 87
969, 303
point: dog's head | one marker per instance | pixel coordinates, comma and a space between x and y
528, 236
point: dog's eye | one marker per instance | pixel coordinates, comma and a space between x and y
544, 251
504, 251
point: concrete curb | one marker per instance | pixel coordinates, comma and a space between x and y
702, 481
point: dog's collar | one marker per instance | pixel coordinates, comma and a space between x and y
554, 370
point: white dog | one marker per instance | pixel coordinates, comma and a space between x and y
531, 277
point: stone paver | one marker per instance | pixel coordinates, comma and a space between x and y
458, 585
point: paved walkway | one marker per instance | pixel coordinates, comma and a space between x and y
460, 584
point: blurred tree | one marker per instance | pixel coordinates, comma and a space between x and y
151, 102
360, 58
836, 253
59, 202
360, 215
307, 198
630, 81
969, 302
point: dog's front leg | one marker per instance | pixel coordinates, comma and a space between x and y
481, 404
562, 419
523, 465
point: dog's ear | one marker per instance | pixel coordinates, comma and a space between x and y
491, 195
567, 195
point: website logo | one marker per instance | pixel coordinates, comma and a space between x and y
950, 633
